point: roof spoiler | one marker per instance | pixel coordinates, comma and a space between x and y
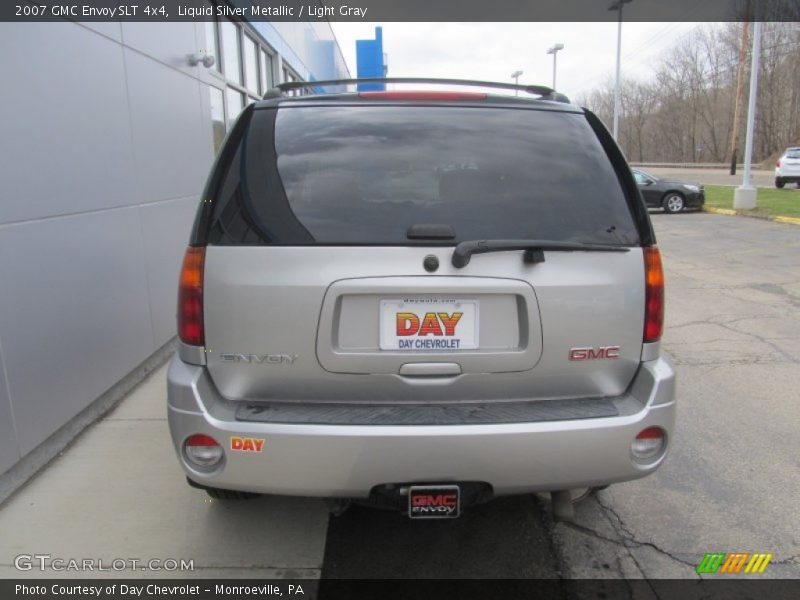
544, 92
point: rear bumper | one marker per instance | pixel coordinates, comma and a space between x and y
349, 460
794, 178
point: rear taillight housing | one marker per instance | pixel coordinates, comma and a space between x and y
654, 295
649, 444
202, 451
190, 298
778, 164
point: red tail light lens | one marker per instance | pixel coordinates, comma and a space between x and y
654, 295
201, 439
778, 164
190, 298
423, 95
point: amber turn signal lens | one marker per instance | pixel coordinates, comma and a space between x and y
654, 295
190, 298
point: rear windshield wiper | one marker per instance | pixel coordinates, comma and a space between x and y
534, 249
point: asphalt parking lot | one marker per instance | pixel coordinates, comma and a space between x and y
730, 484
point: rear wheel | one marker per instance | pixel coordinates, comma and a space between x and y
337, 506
779, 183
219, 494
673, 203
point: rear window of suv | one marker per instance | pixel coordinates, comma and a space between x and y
362, 175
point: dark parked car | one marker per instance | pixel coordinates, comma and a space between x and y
672, 196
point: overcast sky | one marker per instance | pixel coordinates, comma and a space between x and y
492, 51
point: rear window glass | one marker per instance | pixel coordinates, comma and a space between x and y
365, 174
793, 154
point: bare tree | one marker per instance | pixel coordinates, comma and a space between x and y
685, 112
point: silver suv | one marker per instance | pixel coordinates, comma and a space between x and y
787, 169
425, 298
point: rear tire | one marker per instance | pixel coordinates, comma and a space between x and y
673, 203
779, 183
219, 494
337, 506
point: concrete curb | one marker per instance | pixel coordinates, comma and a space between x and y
734, 213
720, 211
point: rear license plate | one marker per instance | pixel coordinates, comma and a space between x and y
434, 501
423, 324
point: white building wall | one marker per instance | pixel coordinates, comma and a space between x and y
106, 143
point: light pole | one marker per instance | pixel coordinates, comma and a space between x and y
617, 5
516, 75
745, 195
554, 51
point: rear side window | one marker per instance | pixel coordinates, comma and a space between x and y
365, 174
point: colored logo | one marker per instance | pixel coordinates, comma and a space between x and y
733, 563
247, 444
438, 324
433, 502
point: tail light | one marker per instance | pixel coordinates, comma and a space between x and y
778, 164
648, 444
654, 295
190, 298
202, 450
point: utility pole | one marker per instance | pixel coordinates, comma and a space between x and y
737, 107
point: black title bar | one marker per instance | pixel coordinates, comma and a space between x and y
400, 10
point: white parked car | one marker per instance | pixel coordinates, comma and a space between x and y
787, 169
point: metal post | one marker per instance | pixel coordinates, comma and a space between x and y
619, 60
554, 51
745, 196
737, 107
751, 104
516, 75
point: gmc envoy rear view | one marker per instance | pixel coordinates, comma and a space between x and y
421, 299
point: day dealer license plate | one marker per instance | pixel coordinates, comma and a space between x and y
429, 324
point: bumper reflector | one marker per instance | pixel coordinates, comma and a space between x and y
648, 444
202, 450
